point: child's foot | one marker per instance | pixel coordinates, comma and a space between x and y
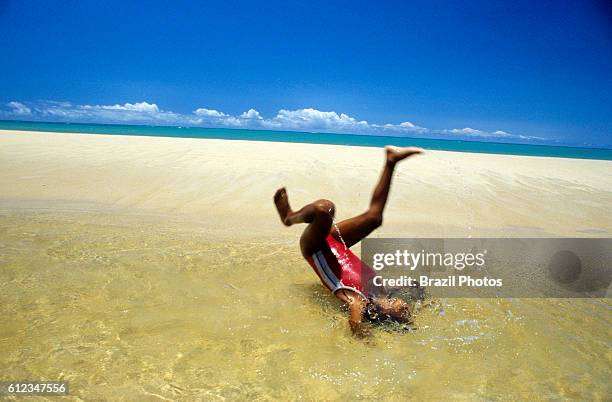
281, 200
396, 154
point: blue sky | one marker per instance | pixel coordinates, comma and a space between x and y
516, 71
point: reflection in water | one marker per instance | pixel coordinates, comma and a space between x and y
122, 307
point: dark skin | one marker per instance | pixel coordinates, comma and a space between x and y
319, 218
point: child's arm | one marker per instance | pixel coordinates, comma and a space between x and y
356, 309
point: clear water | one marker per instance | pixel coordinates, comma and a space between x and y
128, 308
314, 138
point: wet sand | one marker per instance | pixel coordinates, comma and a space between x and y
156, 268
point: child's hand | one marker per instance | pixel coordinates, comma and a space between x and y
360, 330
357, 306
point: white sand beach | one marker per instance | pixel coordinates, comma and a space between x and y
150, 268
228, 185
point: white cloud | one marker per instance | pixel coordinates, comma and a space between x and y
313, 119
405, 127
19, 108
209, 112
137, 107
140, 112
232, 121
308, 119
251, 114
467, 131
471, 132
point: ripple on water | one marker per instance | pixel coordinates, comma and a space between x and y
129, 308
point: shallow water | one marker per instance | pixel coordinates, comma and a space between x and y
129, 308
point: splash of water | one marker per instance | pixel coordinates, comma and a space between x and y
344, 258
339, 233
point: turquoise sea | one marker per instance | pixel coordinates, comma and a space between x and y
315, 138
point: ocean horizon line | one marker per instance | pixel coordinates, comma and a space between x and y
324, 138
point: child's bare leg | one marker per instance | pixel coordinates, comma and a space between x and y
319, 216
353, 230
